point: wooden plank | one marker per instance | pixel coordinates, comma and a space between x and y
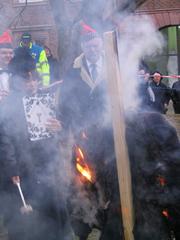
123, 166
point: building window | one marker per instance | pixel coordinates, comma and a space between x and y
168, 62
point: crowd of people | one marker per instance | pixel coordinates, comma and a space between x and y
154, 94
36, 122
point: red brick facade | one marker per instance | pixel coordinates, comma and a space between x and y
37, 18
164, 12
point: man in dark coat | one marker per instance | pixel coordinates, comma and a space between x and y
161, 92
31, 158
176, 96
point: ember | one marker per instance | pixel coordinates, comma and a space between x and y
82, 166
161, 180
165, 213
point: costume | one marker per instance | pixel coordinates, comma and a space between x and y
162, 96
36, 162
176, 96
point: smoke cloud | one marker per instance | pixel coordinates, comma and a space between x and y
138, 39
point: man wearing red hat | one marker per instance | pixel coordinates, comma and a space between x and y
6, 54
84, 85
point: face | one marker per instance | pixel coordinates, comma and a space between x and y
157, 77
6, 54
48, 54
26, 44
93, 49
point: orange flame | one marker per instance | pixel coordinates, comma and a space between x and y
81, 165
85, 172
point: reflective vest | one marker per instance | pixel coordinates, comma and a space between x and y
42, 66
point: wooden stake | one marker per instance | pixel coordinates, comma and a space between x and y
115, 89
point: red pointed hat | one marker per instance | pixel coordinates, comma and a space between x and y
5, 40
88, 33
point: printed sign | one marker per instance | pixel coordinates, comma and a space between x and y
38, 110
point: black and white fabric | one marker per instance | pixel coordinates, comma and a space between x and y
38, 110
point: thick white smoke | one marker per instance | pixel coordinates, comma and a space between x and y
138, 39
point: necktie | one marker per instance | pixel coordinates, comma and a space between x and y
94, 72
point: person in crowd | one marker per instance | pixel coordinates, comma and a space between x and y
30, 157
145, 92
161, 93
39, 55
176, 96
83, 107
6, 54
53, 64
84, 85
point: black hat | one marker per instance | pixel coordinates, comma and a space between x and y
26, 37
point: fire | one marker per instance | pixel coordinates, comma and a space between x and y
165, 213
161, 180
85, 172
81, 165
80, 155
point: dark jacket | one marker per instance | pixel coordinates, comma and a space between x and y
82, 103
176, 96
162, 96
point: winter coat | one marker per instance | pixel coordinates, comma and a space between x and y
176, 96
162, 96
82, 102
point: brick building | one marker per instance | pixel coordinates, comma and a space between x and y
36, 17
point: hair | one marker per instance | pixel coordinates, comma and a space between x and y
158, 73
20, 67
22, 62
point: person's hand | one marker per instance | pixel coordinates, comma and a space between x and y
16, 179
53, 125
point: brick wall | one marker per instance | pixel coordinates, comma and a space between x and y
36, 18
164, 12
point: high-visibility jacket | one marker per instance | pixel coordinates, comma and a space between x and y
42, 66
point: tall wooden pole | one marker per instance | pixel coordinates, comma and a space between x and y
115, 89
